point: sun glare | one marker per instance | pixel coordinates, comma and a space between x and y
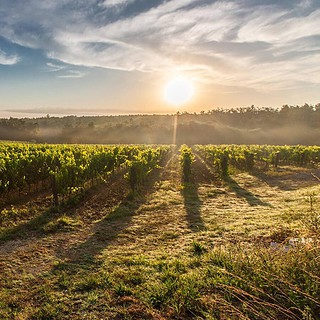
178, 91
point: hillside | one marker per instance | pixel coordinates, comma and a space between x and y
288, 125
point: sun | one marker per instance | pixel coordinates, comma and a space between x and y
178, 91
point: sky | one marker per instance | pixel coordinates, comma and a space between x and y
116, 56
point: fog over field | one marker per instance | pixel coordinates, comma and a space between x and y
288, 125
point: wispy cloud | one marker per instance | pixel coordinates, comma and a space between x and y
264, 45
64, 71
6, 59
52, 67
72, 74
116, 3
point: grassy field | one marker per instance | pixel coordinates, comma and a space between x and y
243, 247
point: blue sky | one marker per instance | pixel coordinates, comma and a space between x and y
115, 56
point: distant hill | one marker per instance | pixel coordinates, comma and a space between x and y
288, 125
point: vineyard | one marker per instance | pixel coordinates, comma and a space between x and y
159, 231
67, 169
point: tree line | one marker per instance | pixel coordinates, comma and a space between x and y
251, 125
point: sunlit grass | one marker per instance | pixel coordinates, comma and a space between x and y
235, 248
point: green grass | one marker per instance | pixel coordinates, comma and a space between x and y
63, 223
231, 249
238, 282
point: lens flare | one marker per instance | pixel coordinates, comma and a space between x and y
178, 91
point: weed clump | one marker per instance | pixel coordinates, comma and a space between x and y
198, 248
63, 223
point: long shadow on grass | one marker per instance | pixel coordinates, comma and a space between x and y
244, 193
192, 205
285, 182
104, 232
36, 227
32, 228
107, 230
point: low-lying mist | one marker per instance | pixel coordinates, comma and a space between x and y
289, 125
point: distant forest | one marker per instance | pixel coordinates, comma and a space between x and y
252, 125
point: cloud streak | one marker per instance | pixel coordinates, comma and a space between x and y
75, 74
265, 45
52, 67
6, 59
116, 3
